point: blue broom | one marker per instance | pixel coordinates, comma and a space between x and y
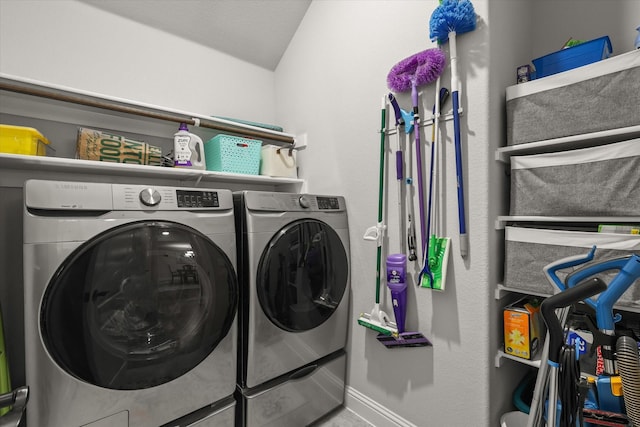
450, 18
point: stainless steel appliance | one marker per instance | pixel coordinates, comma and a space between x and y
130, 305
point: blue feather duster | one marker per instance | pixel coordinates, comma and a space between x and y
451, 15
450, 18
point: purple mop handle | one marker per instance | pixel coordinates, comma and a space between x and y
399, 122
416, 125
396, 110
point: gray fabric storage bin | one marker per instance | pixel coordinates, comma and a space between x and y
529, 250
597, 97
595, 181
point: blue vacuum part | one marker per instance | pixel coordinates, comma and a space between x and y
629, 268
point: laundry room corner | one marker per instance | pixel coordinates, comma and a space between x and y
342, 73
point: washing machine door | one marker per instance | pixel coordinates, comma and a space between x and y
302, 275
139, 305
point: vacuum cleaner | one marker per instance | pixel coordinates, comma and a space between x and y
611, 404
628, 268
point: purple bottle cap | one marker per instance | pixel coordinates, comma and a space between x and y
183, 126
397, 258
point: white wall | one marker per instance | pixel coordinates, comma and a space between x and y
554, 22
329, 85
73, 44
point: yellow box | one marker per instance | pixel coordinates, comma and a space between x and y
22, 140
523, 328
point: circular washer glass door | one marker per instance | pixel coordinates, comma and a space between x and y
139, 305
302, 275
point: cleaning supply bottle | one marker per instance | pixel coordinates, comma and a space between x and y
397, 283
188, 149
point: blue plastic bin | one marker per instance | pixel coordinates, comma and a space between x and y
573, 57
226, 153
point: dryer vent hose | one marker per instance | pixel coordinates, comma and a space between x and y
629, 367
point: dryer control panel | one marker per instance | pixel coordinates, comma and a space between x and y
330, 203
292, 202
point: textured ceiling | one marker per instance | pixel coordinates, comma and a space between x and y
256, 31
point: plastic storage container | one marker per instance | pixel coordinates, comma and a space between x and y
595, 98
595, 181
278, 161
528, 250
514, 419
573, 57
22, 140
225, 153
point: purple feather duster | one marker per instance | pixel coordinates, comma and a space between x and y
422, 68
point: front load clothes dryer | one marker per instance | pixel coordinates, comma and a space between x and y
293, 269
130, 305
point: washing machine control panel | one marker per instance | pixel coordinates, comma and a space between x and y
150, 197
197, 199
304, 202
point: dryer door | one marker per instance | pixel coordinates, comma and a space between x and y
302, 275
139, 305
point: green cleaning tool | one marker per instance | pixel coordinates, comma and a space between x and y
5, 380
436, 255
378, 319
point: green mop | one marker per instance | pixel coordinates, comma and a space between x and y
377, 319
437, 253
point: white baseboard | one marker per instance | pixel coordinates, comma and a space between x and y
372, 411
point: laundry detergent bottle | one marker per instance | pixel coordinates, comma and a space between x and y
188, 149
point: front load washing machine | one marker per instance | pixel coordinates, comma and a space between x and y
130, 305
293, 269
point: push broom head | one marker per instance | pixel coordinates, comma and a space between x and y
422, 68
451, 16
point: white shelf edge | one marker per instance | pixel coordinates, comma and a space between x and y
535, 362
503, 154
502, 290
503, 219
59, 164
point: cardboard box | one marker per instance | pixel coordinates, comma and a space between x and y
523, 328
105, 147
